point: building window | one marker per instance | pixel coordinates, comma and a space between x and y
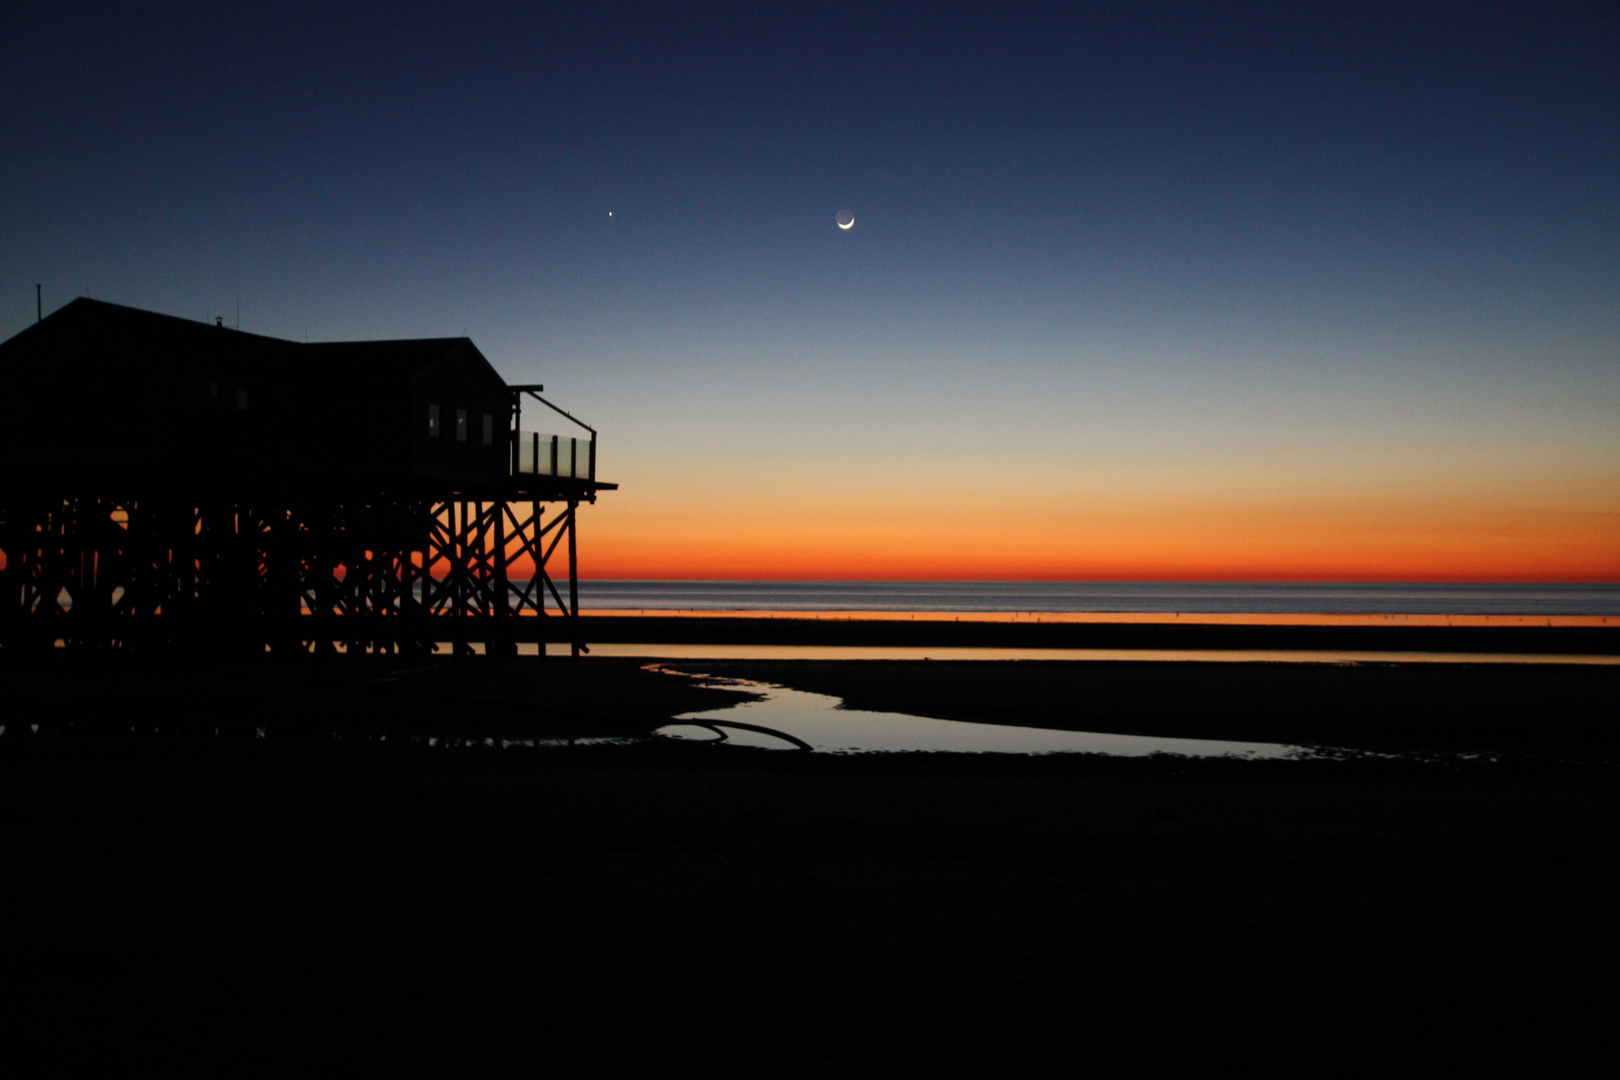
241, 399
461, 425
433, 421
489, 429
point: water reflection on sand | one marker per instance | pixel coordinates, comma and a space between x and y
818, 720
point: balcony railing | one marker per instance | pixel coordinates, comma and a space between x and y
537, 454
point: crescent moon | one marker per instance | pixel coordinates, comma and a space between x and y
851, 224
840, 219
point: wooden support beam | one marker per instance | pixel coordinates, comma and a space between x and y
376, 571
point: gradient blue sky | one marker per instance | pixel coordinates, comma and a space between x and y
1140, 290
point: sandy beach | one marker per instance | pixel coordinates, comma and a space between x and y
324, 899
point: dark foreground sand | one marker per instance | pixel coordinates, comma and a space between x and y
302, 903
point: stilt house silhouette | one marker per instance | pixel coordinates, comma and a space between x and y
166, 483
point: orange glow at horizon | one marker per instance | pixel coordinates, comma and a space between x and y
1409, 542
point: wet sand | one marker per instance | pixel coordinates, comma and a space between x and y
306, 903
831, 629
1548, 710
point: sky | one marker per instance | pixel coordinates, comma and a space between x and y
1135, 291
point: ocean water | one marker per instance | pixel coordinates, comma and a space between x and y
1188, 597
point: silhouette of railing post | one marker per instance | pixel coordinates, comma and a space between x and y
576, 641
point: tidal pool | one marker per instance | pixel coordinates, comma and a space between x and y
819, 721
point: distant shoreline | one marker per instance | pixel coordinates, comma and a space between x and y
1117, 601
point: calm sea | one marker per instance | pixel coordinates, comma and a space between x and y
1203, 597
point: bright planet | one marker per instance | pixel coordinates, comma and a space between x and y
846, 219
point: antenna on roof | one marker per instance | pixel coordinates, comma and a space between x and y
39, 305
239, 313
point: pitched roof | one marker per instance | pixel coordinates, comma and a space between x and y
94, 333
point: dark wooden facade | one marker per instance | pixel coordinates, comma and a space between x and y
166, 483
